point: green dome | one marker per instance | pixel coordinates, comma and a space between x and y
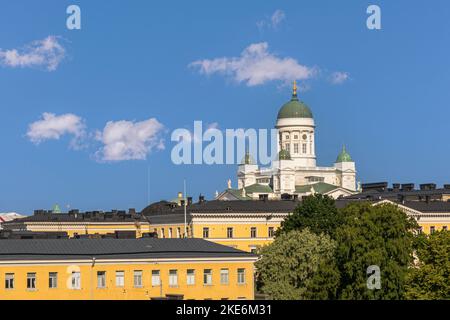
284, 155
294, 109
344, 156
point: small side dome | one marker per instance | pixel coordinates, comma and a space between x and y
248, 159
344, 156
284, 155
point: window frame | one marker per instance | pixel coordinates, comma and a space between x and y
53, 280
101, 279
173, 278
138, 274
241, 273
31, 280
9, 281
207, 277
227, 273
190, 277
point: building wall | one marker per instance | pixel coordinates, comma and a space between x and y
241, 225
89, 289
73, 228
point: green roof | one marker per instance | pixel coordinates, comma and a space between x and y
284, 155
319, 187
258, 188
238, 194
344, 156
294, 109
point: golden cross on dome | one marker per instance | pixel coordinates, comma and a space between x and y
294, 88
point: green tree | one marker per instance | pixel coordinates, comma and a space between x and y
430, 276
379, 235
318, 213
299, 265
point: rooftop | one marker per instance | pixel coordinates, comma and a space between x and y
70, 249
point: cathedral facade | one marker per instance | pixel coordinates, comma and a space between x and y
294, 173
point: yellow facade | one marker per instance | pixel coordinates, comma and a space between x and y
244, 236
90, 278
91, 227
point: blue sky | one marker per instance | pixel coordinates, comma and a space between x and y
131, 62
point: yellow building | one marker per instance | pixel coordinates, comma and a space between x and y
432, 216
79, 224
243, 224
134, 269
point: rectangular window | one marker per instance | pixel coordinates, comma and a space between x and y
120, 278
288, 147
432, 229
76, 280
178, 233
53, 280
224, 276
162, 233
304, 147
229, 232
156, 279
173, 278
137, 278
170, 232
271, 232
253, 232
295, 147
101, 279
205, 232
31, 280
241, 276
190, 277
207, 277
9, 281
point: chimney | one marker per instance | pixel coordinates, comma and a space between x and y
428, 186
396, 187
132, 211
407, 186
201, 198
447, 186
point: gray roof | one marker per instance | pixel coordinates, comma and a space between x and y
70, 249
431, 206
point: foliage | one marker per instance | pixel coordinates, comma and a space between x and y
380, 235
430, 277
299, 265
318, 213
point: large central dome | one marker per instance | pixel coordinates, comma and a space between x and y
294, 108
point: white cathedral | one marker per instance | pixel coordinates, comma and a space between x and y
294, 174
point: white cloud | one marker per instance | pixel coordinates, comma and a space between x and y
273, 22
47, 53
339, 77
53, 127
127, 140
277, 17
256, 66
